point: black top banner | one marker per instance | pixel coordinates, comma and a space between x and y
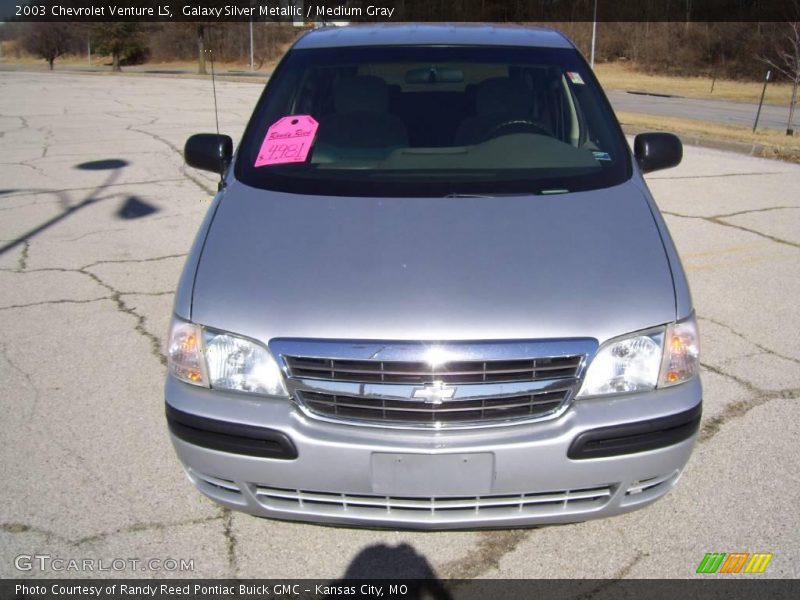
316, 11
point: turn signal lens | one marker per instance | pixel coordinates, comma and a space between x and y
185, 353
681, 353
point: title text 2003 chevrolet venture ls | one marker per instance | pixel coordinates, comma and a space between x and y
433, 291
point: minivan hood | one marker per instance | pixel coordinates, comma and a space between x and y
588, 264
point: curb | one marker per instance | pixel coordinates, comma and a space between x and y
689, 139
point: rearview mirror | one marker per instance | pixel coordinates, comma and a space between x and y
435, 75
654, 151
208, 151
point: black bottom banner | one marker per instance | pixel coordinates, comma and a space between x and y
399, 589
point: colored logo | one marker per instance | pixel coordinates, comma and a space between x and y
734, 562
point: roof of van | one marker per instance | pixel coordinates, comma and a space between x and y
422, 34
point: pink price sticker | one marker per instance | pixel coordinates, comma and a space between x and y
288, 140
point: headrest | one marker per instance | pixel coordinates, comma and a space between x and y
502, 95
362, 93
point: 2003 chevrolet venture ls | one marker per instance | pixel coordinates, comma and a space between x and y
433, 291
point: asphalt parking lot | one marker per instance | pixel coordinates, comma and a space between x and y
97, 213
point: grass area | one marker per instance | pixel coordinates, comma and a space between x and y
13, 55
105, 61
622, 76
768, 143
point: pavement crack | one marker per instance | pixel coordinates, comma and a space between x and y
717, 220
626, 569
51, 302
91, 233
764, 349
756, 232
17, 368
230, 540
174, 148
16, 528
131, 260
23, 257
490, 549
31, 406
139, 527
123, 307
615, 578
742, 382
712, 426
27, 166
755, 210
154, 294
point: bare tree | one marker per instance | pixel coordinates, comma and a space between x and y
200, 32
199, 29
47, 40
785, 59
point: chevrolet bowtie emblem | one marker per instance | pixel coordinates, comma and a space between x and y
434, 393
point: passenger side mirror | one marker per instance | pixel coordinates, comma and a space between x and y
208, 151
654, 151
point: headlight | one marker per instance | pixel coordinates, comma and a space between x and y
221, 360
626, 365
641, 362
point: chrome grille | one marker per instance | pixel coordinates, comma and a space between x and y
442, 508
418, 372
416, 411
432, 384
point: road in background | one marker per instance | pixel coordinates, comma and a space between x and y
97, 213
726, 112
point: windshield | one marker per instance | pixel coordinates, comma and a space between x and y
432, 121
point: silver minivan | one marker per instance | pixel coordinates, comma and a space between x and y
434, 292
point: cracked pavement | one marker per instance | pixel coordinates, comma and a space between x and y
85, 297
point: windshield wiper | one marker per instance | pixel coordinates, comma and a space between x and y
499, 195
458, 195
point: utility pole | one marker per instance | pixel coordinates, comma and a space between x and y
594, 33
251, 44
761, 102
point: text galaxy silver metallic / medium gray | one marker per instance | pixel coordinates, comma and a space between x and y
448, 301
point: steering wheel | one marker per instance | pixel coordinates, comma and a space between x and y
524, 125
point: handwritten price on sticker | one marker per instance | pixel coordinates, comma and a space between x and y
288, 140
278, 153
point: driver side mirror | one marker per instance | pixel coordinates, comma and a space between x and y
209, 152
654, 151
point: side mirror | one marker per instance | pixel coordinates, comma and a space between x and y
654, 151
208, 151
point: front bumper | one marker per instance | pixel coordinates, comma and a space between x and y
494, 477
